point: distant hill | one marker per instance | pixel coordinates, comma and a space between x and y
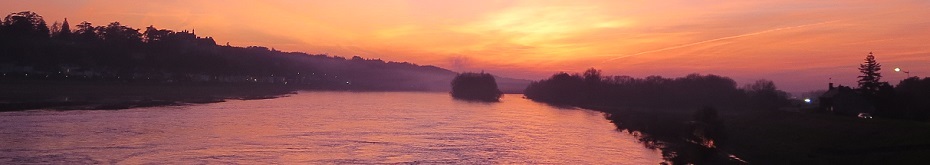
31, 49
512, 85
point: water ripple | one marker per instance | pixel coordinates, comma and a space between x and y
323, 128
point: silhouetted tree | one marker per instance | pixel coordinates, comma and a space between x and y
24, 24
473, 86
64, 33
592, 75
913, 96
590, 88
764, 95
86, 31
870, 80
117, 33
154, 35
561, 88
54, 29
120, 53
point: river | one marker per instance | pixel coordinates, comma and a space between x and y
323, 128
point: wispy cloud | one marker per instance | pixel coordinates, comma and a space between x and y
720, 39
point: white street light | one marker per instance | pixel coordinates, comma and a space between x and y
905, 72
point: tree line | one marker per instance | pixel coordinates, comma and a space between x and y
909, 99
475, 86
656, 108
694, 90
117, 50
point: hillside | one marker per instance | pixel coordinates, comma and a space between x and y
30, 50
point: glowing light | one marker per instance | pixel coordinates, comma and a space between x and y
897, 69
807, 100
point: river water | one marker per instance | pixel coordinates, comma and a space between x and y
323, 128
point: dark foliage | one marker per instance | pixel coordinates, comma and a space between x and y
475, 86
910, 100
707, 127
24, 25
684, 138
870, 80
656, 109
590, 88
116, 52
763, 95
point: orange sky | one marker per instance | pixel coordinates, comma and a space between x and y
798, 44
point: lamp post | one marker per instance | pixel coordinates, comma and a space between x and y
905, 72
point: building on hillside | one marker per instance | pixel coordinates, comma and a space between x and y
843, 100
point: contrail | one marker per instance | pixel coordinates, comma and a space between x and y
718, 39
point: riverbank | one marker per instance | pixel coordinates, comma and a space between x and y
672, 131
781, 137
70, 95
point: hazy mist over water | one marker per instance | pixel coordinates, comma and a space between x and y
324, 127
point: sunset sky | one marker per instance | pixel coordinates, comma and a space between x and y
798, 44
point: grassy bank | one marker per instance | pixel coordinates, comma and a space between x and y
781, 137
65, 95
804, 138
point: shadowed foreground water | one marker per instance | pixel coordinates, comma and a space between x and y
323, 128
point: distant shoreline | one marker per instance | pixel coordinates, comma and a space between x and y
80, 95
24, 95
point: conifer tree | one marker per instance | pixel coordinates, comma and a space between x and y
65, 30
869, 81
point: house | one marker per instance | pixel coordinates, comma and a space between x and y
843, 100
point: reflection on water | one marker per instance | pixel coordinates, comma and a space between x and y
323, 127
